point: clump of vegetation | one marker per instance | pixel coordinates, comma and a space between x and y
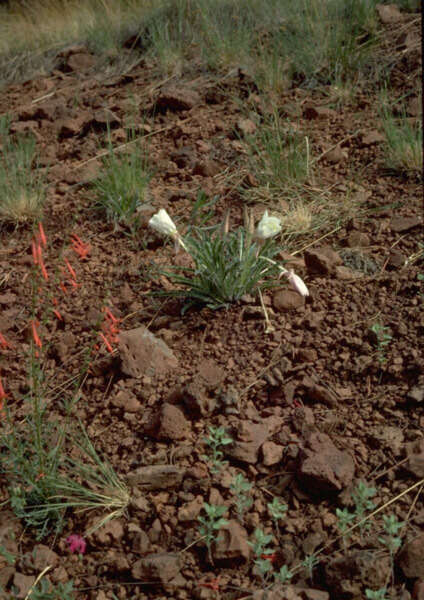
123, 184
211, 524
216, 439
22, 182
404, 147
382, 340
241, 489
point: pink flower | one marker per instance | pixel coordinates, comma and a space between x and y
297, 283
76, 543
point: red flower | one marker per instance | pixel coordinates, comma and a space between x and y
70, 269
42, 234
106, 342
212, 584
76, 543
35, 335
3, 394
79, 246
4, 343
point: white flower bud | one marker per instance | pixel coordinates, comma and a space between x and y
162, 223
268, 226
297, 283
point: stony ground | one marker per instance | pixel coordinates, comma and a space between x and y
310, 407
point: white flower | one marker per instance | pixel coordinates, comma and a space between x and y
297, 283
268, 226
162, 223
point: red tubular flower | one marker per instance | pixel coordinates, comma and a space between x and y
70, 269
4, 343
35, 335
106, 342
3, 394
62, 286
43, 270
212, 584
79, 246
34, 252
42, 234
57, 314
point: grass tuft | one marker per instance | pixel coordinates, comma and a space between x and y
22, 184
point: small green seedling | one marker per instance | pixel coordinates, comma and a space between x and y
391, 540
383, 339
362, 498
344, 522
284, 575
211, 524
261, 552
241, 488
277, 511
310, 563
217, 438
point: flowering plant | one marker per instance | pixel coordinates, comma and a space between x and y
227, 265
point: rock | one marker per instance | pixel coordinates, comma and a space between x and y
37, 112
232, 543
336, 155
140, 542
318, 393
169, 424
414, 107
416, 393
347, 575
311, 112
43, 556
246, 127
112, 531
156, 477
207, 168
311, 594
6, 575
415, 454
177, 98
80, 61
357, 239
322, 261
389, 13
345, 274
104, 118
401, 224
272, 453
67, 128
411, 557
211, 374
127, 401
142, 353
197, 400
284, 300
373, 137
396, 260
250, 436
23, 584
157, 567
191, 510
418, 591
388, 437
323, 469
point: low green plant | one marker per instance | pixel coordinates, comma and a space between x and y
280, 159
22, 182
376, 594
44, 590
284, 575
211, 524
404, 147
361, 496
309, 563
344, 522
8, 556
261, 551
383, 339
217, 438
241, 488
123, 184
277, 511
391, 539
